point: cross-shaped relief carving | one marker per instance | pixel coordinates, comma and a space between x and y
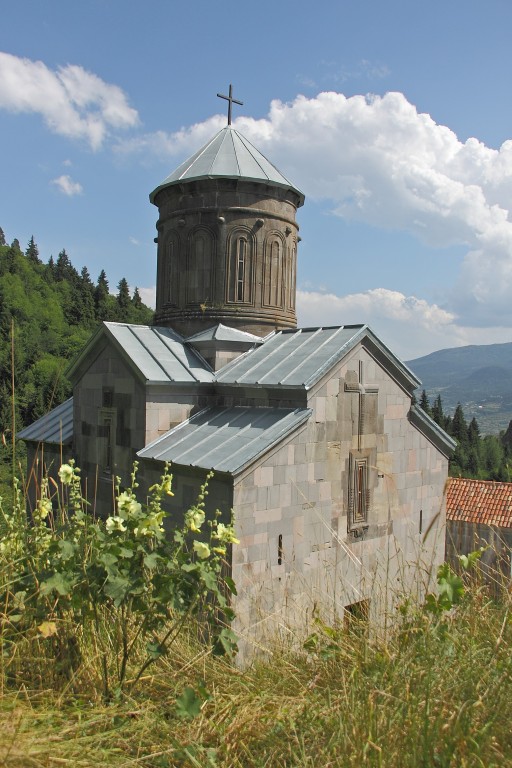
354, 382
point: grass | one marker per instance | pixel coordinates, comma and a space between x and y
432, 694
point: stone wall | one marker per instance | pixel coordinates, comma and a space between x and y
302, 551
109, 424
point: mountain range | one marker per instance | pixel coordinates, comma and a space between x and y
479, 377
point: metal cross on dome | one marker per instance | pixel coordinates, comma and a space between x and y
231, 101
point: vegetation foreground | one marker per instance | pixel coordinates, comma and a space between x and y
425, 697
110, 635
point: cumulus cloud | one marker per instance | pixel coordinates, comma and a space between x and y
73, 102
148, 296
377, 160
67, 186
410, 326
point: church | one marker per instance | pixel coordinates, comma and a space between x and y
336, 480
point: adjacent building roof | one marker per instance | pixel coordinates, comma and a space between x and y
225, 439
479, 501
54, 427
158, 355
300, 357
227, 155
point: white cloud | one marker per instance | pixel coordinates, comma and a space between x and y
378, 161
134, 241
67, 186
73, 102
148, 296
411, 327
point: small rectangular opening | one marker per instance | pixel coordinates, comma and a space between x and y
356, 616
280, 549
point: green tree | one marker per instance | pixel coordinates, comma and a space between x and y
2, 237
32, 251
123, 300
424, 403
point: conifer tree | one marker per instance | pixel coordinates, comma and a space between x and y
438, 413
459, 427
424, 403
32, 251
101, 296
2, 237
136, 299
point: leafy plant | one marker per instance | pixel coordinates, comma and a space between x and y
63, 571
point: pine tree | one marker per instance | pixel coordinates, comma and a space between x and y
459, 427
101, 296
136, 299
424, 403
32, 251
2, 237
438, 413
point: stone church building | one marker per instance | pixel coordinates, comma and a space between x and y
335, 478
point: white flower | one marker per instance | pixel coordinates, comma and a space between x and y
194, 518
201, 549
66, 473
115, 523
226, 534
44, 507
128, 505
150, 526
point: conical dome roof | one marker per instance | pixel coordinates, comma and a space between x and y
227, 155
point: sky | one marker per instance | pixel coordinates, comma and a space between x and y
393, 117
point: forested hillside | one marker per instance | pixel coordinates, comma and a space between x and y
47, 313
479, 376
487, 457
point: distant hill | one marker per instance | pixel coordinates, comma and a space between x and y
477, 376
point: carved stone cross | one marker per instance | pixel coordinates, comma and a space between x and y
231, 101
359, 388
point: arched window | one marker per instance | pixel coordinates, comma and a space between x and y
200, 267
240, 270
273, 279
168, 271
290, 277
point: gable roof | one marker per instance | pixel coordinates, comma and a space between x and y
225, 439
158, 355
479, 501
227, 155
54, 427
431, 430
300, 357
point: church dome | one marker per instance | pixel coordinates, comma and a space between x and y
227, 241
228, 155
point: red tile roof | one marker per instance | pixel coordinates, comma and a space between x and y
479, 501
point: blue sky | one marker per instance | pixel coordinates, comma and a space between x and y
394, 118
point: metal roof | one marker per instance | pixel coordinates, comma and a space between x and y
54, 427
227, 155
222, 332
159, 354
291, 358
432, 430
225, 439
300, 357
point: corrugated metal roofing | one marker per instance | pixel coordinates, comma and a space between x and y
225, 439
430, 429
222, 332
479, 501
54, 427
228, 154
159, 354
292, 358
